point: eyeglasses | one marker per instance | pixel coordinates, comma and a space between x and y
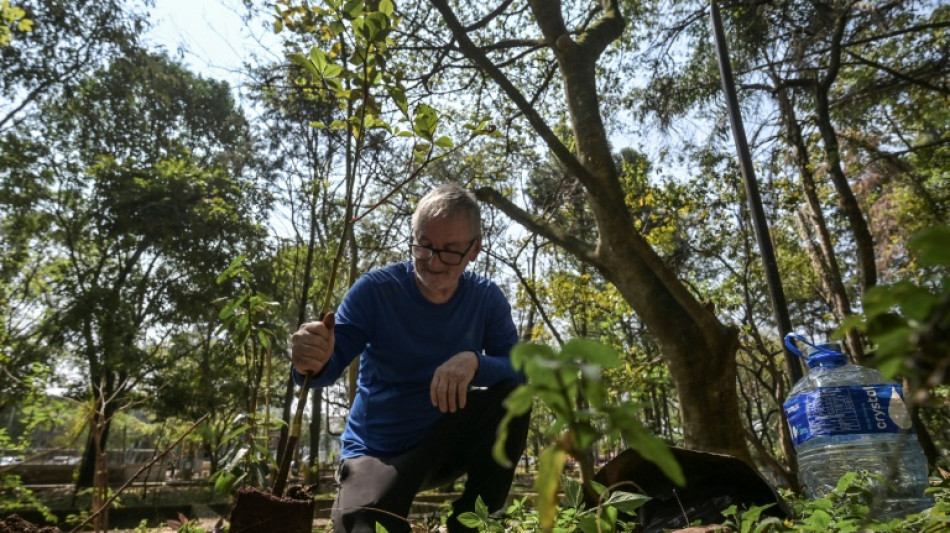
449, 257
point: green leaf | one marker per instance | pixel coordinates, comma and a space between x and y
592, 385
770, 523
626, 502
386, 7
932, 245
444, 142
224, 482
878, 299
470, 519
335, 85
353, 8
377, 24
890, 366
399, 98
381, 528
519, 401
305, 63
332, 71
319, 59
263, 339
599, 489
231, 308
424, 121
846, 481
480, 508
573, 492
588, 524
894, 342
651, 448
233, 268
524, 352
550, 465
820, 520
917, 303
591, 352
752, 515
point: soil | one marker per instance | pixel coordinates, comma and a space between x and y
261, 512
15, 524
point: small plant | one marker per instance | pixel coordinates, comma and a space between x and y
572, 515
748, 521
570, 383
845, 510
184, 525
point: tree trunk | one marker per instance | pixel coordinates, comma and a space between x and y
823, 255
863, 240
699, 350
87, 468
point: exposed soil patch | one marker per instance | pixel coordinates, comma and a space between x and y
256, 511
15, 524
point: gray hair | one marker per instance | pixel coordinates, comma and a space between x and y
446, 200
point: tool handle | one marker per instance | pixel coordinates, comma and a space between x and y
284, 469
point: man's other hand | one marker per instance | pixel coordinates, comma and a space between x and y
450, 381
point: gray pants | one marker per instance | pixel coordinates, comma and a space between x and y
381, 490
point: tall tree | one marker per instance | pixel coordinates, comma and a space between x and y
699, 349
67, 40
51, 44
150, 189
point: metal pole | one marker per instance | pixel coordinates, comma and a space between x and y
759, 222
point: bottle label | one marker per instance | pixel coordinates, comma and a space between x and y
847, 410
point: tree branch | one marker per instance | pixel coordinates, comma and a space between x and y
575, 246
605, 31
476, 55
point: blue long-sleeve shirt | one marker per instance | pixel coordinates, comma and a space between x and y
403, 338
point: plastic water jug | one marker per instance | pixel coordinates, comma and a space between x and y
848, 418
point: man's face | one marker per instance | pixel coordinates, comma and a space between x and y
438, 280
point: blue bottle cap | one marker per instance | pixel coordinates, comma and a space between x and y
825, 355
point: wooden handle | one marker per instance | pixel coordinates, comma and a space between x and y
281, 480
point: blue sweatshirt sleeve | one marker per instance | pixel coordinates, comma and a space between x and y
349, 334
494, 363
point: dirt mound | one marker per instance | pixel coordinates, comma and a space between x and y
15, 524
259, 512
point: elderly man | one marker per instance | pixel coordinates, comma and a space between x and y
435, 342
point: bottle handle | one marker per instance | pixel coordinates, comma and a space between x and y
790, 344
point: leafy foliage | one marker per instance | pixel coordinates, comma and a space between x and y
12, 19
559, 379
844, 510
13, 494
572, 515
909, 322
